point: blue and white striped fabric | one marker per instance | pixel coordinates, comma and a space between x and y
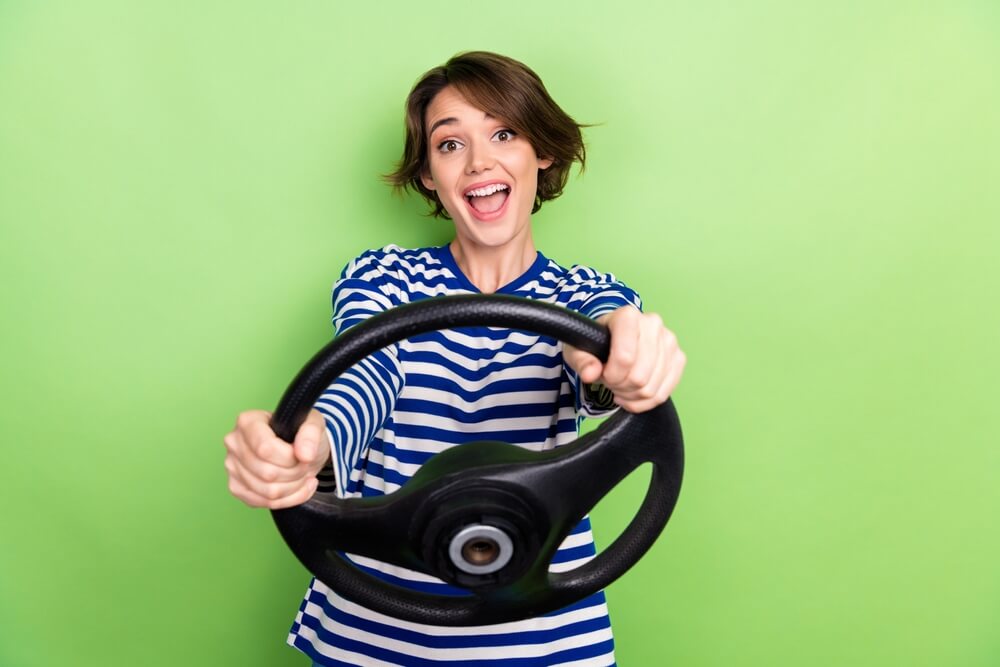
404, 404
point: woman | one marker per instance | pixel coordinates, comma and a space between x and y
486, 146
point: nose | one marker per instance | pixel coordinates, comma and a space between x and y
479, 157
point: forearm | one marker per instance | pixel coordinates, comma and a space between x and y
354, 408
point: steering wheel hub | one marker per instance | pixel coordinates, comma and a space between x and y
479, 536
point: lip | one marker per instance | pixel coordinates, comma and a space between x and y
487, 217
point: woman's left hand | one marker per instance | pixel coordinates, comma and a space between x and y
645, 363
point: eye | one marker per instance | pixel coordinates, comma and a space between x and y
504, 136
449, 146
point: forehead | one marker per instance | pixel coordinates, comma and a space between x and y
449, 107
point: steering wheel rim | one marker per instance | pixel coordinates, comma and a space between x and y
500, 478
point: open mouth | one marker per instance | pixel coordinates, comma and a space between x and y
488, 199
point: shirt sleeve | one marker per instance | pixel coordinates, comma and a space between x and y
358, 403
596, 294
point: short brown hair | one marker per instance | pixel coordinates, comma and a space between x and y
505, 89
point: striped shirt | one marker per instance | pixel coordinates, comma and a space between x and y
400, 406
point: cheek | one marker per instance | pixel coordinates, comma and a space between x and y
441, 172
529, 171
528, 165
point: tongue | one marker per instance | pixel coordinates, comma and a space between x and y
489, 203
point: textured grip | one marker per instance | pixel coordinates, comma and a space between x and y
419, 317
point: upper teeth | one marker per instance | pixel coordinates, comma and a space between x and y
486, 190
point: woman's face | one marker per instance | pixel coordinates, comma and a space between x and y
484, 173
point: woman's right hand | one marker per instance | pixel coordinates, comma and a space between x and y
266, 471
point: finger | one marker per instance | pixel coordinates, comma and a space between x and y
674, 376
248, 418
270, 492
239, 450
588, 367
649, 359
652, 362
267, 472
253, 499
240, 491
267, 446
239, 487
675, 365
295, 499
624, 327
309, 440
648, 372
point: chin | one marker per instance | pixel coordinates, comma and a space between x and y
494, 234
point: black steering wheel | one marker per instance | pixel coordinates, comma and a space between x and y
485, 516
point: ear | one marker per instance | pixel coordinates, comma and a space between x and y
425, 178
545, 162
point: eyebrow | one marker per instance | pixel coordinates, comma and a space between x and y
451, 120
443, 121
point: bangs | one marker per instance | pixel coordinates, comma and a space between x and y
509, 103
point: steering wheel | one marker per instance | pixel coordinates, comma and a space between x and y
484, 516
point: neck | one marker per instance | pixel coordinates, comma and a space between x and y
490, 268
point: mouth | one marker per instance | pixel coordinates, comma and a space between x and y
487, 201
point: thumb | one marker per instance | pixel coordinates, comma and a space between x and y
591, 371
310, 444
586, 365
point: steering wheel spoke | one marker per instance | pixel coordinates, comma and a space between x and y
364, 526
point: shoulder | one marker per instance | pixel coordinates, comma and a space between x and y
581, 287
392, 260
402, 274
578, 276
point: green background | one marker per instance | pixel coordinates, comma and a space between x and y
807, 192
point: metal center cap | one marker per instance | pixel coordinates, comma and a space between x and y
480, 549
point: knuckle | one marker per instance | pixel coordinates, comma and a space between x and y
304, 494
251, 419
265, 450
626, 356
614, 379
639, 376
624, 318
282, 503
300, 496
309, 429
